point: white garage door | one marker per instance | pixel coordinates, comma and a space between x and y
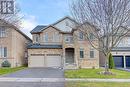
36, 60
53, 60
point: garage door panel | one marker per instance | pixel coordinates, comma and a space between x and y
36, 61
127, 61
118, 60
53, 61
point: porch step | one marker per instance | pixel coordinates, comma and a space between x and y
71, 66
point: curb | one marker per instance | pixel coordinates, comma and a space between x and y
60, 80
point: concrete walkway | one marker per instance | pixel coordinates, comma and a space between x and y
60, 80
124, 69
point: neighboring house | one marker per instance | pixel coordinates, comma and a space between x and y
61, 45
121, 54
12, 44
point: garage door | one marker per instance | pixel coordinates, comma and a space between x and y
53, 60
127, 61
36, 60
118, 60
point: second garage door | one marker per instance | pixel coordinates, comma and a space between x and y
118, 60
53, 60
127, 61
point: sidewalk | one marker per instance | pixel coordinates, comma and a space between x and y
60, 80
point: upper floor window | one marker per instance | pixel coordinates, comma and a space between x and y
69, 39
81, 36
81, 53
2, 32
45, 37
91, 36
36, 38
55, 37
3, 52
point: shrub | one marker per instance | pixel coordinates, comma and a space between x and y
6, 63
111, 62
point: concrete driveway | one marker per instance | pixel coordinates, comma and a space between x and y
38, 73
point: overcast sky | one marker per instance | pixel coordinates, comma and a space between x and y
41, 12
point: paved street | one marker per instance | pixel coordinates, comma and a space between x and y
38, 73
30, 84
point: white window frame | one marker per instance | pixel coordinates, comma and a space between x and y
2, 32
81, 49
45, 37
91, 36
3, 54
81, 37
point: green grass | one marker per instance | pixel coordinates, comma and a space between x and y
10, 70
92, 84
93, 73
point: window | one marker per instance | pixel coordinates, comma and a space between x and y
91, 36
56, 37
36, 38
69, 39
81, 37
3, 52
92, 54
81, 53
2, 32
45, 37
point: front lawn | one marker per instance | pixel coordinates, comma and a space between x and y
10, 70
93, 73
93, 84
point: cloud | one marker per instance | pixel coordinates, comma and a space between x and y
28, 23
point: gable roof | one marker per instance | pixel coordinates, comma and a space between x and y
40, 28
66, 17
14, 27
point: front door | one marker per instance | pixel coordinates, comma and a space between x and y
69, 55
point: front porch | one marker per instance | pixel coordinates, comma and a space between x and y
70, 58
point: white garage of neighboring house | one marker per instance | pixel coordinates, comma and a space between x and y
45, 56
121, 56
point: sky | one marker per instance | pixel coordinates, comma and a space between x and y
41, 12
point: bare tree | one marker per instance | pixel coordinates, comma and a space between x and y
108, 21
10, 12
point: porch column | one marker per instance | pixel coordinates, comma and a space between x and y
124, 61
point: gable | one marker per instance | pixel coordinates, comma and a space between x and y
65, 24
50, 29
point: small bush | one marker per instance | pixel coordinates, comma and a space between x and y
111, 62
6, 63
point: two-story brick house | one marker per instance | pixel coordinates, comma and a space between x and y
61, 45
13, 44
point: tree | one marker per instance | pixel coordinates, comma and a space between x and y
9, 12
108, 20
111, 62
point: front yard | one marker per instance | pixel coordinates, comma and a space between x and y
93, 73
10, 70
93, 84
